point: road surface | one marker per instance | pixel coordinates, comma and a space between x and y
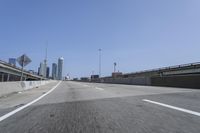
75, 107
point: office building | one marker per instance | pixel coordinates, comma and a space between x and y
38, 70
42, 69
54, 71
12, 61
47, 72
117, 74
60, 68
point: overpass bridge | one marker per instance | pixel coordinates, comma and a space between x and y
191, 68
11, 73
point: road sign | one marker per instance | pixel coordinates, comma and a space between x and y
23, 60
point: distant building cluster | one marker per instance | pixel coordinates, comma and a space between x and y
44, 70
57, 70
15, 70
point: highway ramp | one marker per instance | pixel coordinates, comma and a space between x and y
76, 107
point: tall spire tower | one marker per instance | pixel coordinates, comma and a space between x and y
45, 60
46, 50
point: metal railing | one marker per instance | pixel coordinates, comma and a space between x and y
167, 68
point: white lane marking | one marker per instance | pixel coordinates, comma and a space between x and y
101, 89
86, 85
173, 107
28, 104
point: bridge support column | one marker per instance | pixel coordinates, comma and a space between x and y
2, 77
8, 77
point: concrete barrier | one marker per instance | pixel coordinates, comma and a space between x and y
183, 81
12, 87
130, 80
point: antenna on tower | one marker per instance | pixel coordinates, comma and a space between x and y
45, 62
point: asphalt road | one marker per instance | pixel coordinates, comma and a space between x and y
75, 107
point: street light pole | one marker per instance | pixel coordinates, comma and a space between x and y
100, 63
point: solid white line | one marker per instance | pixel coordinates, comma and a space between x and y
27, 105
101, 89
173, 107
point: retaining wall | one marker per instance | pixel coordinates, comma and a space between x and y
130, 80
185, 81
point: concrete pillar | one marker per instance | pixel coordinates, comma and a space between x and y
2, 78
18, 78
8, 77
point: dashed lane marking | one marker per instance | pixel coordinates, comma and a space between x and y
101, 89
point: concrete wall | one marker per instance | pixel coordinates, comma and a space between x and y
12, 87
185, 81
130, 80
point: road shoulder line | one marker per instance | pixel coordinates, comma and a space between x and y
173, 107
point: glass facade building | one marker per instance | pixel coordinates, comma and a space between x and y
60, 68
54, 71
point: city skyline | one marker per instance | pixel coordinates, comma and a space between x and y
98, 66
54, 72
45, 70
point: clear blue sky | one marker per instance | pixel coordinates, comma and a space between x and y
137, 34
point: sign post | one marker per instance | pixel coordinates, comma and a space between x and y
23, 61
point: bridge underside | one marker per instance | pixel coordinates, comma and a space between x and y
11, 73
11, 77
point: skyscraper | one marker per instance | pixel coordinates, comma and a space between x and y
42, 69
45, 68
60, 68
38, 70
54, 71
47, 72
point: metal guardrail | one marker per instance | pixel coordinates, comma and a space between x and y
166, 68
176, 69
